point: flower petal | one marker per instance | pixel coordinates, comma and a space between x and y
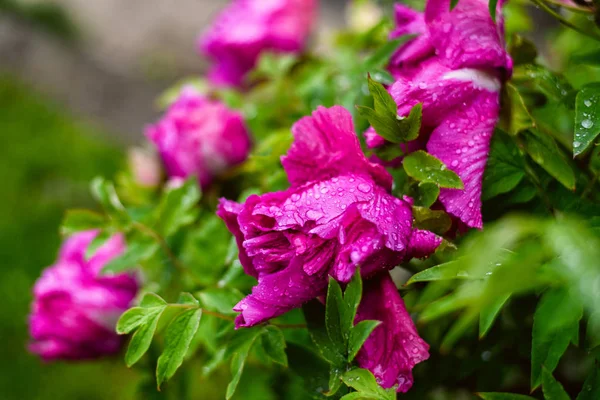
394, 347
326, 146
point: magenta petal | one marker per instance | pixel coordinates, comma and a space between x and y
462, 142
198, 136
394, 347
325, 146
278, 293
229, 212
423, 243
466, 37
75, 309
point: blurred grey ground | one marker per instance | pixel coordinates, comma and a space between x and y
128, 52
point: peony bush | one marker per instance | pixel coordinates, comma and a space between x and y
404, 208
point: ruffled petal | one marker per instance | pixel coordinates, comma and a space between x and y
467, 37
326, 146
278, 293
394, 347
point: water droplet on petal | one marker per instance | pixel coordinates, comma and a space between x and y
363, 187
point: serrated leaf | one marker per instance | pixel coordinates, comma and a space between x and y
187, 299
180, 333
139, 248
552, 389
177, 208
488, 314
587, 117
426, 168
556, 316
544, 151
591, 386
436, 221
505, 167
81, 220
364, 382
273, 343
221, 300
142, 338
358, 335
503, 396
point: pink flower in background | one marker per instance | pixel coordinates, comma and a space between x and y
145, 167
394, 347
201, 137
246, 28
75, 309
455, 67
337, 214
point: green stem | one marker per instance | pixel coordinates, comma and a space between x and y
564, 21
570, 7
165, 247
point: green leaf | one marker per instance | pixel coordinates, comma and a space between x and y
592, 57
587, 117
132, 319
239, 348
426, 194
552, 389
358, 335
221, 300
426, 168
364, 382
492, 7
188, 299
104, 192
142, 338
137, 316
436, 221
544, 151
453, 3
489, 312
384, 117
314, 313
237, 367
440, 272
335, 380
522, 50
333, 315
352, 296
515, 116
540, 79
152, 300
139, 248
177, 208
591, 386
273, 342
556, 316
81, 220
503, 396
505, 167
178, 338
381, 56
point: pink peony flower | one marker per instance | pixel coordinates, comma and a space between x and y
246, 28
75, 310
198, 136
455, 67
337, 214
